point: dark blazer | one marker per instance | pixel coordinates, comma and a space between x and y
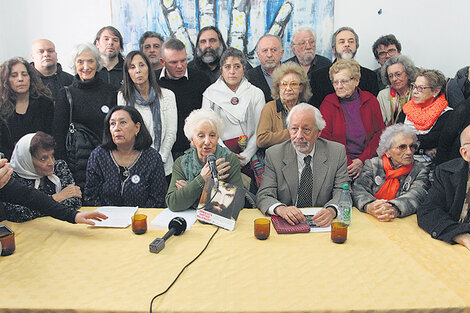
256, 77
321, 84
280, 181
439, 214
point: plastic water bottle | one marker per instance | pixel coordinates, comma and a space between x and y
345, 205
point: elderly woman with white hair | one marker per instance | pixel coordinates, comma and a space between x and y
392, 184
191, 170
91, 99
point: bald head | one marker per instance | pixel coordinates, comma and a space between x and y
465, 144
44, 56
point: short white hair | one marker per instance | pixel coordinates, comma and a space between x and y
389, 134
199, 116
319, 121
304, 28
82, 47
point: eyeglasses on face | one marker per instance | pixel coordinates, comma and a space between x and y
397, 75
419, 88
304, 43
292, 85
403, 147
342, 82
389, 52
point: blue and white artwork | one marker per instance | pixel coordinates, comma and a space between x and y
241, 22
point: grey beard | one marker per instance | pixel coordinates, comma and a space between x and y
209, 57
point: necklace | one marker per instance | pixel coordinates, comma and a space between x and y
126, 162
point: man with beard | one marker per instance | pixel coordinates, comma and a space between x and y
109, 42
384, 48
288, 182
151, 44
44, 59
209, 48
270, 51
303, 44
187, 84
344, 42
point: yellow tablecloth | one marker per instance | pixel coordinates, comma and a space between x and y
383, 267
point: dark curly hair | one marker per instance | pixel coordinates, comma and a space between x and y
8, 97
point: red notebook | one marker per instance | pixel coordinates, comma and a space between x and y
282, 227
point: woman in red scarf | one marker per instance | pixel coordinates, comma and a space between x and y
427, 111
392, 184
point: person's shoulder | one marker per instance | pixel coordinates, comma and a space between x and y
321, 73
366, 96
279, 149
332, 147
384, 92
194, 74
98, 152
254, 72
453, 166
367, 71
321, 60
167, 93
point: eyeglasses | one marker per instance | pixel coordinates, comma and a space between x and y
305, 131
403, 147
397, 75
292, 85
304, 43
389, 52
342, 82
419, 88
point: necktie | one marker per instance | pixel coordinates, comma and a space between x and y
304, 196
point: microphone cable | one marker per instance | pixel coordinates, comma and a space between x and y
174, 281
182, 270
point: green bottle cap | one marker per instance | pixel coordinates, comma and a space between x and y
345, 186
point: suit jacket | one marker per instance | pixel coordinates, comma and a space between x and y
256, 77
440, 213
281, 177
321, 85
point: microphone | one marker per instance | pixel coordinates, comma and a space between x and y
176, 227
213, 167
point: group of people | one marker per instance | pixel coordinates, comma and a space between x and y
293, 132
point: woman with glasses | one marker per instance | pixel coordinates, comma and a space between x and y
352, 116
290, 86
239, 104
397, 73
427, 111
392, 185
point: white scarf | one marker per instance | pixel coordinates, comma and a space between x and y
221, 95
22, 163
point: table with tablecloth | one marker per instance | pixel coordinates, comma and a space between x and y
383, 267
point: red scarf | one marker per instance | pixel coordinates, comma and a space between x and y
389, 189
424, 115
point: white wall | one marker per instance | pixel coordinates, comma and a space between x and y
432, 32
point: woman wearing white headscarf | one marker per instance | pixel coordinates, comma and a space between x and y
34, 165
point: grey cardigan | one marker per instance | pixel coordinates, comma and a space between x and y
412, 191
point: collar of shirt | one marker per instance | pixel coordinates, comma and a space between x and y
163, 74
267, 77
301, 162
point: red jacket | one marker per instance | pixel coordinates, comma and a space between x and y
371, 116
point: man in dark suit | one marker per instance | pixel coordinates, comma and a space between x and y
444, 214
345, 43
284, 187
270, 51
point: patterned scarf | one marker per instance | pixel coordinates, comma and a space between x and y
424, 115
389, 189
154, 103
192, 166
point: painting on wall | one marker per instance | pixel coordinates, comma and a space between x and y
241, 22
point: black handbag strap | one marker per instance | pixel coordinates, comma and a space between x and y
69, 98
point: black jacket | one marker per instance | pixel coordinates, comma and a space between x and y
440, 212
17, 193
114, 76
318, 62
256, 77
56, 81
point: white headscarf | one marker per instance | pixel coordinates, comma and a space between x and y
22, 163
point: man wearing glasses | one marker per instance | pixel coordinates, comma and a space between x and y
345, 43
384, 48
305, 171
445, 212
303, 44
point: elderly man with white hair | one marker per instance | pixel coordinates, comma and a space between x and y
289, 183
304, 45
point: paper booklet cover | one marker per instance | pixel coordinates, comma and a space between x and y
220, 206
